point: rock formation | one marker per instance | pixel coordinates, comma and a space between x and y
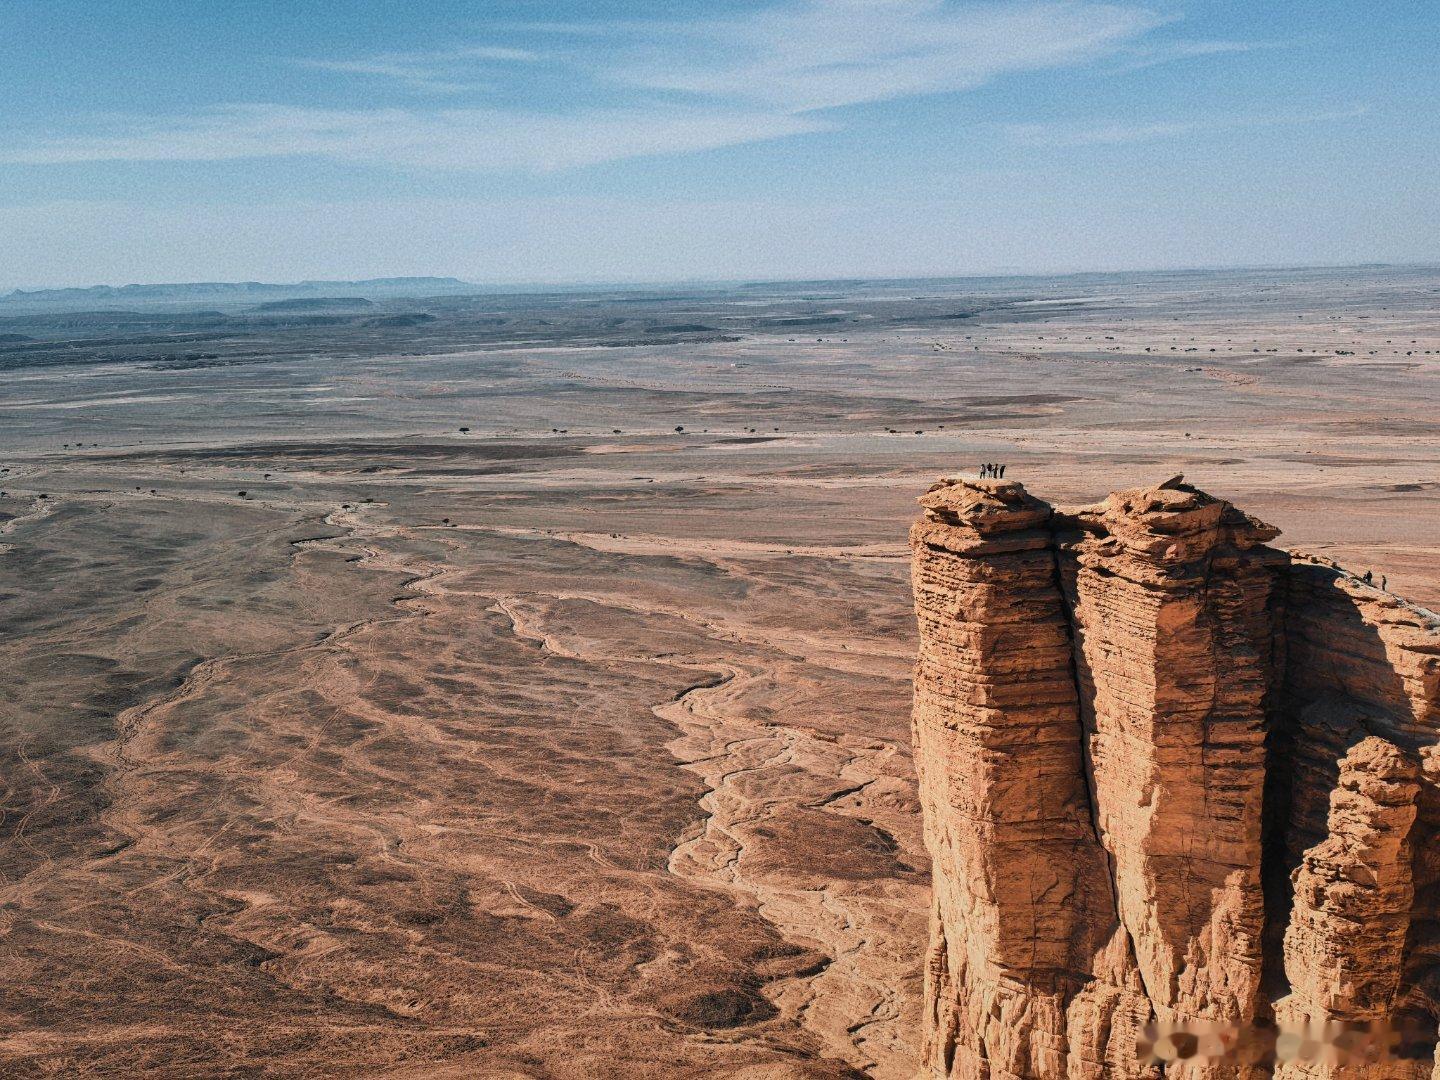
1180, 788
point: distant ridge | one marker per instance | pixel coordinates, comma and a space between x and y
237, 291
315, 303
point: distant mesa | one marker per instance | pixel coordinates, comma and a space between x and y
683, 328
98, 297
316, 303
1171, 776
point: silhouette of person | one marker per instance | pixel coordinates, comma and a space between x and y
1368, 578
1002, 472
1383, 585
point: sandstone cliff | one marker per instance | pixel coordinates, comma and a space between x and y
1175, 782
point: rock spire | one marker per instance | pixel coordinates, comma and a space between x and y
1180, 788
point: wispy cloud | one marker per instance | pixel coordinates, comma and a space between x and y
816, 54
442, 71
1148, 54
1065, 135
625, 90
481, 139
828, 53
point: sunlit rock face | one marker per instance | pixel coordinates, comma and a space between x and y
1174, 780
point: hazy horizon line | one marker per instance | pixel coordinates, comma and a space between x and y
644, 282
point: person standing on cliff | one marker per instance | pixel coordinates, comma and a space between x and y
1002, 472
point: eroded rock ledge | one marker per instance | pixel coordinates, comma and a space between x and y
1170, 774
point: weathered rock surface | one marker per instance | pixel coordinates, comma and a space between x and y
1171, 776
1023, 905
1352, 899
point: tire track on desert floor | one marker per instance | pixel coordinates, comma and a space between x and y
710, 549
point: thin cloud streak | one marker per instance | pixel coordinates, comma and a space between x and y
1143, 56
444, 71
467, 139
1057, 135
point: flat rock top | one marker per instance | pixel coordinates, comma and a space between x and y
1171, 522
1178, 522
986, 506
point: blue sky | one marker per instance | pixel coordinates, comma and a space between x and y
551, 141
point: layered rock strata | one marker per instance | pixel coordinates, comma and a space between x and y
1023, 907
1179, 786
1353, 893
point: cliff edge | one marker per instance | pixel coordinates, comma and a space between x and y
1181, 790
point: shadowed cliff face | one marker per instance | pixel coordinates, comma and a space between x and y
1171, 776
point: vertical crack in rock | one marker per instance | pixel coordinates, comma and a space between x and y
1353, 895
1169, 594
1025, 926
1134, 722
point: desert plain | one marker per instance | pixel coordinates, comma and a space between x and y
519, 685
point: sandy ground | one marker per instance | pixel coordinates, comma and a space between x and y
545, 750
